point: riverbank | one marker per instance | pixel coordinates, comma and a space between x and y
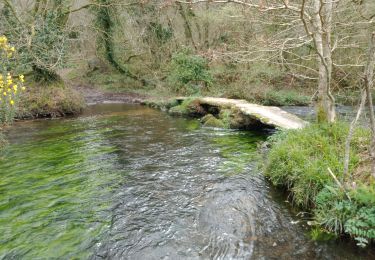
49, 101
304, 163
269, 93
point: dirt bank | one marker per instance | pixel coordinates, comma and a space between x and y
94, 95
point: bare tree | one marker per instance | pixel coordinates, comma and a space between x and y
317, 19
369, 83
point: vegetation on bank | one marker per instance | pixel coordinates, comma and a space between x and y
301, 160
51, 98
199, 80
10, 84
54, 100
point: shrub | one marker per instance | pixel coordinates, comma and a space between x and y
10, 85
189, 73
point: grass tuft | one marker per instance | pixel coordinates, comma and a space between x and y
299, 161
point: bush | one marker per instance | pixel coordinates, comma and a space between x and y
299, 159
189, 73
10, 85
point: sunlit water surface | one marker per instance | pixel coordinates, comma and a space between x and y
129, 182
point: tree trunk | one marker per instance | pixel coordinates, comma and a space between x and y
325, 103
369, 83
187, 28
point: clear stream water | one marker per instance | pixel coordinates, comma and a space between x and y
128, 182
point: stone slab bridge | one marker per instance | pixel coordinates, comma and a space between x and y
268, 116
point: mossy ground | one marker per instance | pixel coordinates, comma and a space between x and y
299, 160
53, 100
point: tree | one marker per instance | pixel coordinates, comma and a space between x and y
316, 17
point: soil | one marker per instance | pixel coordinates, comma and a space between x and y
93, 95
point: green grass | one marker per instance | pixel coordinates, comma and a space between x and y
299, 161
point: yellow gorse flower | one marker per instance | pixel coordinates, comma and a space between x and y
10, 83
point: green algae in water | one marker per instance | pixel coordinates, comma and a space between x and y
56, 186
239, 150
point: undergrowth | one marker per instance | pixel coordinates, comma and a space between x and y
299, 161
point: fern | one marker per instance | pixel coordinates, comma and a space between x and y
362, 225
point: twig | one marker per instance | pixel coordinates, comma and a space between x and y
338, 183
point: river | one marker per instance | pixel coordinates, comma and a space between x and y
128, 182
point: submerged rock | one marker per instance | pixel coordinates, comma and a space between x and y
189, 107
207, 117
214, 122
178, 111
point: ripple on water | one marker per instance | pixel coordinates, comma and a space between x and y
128, 182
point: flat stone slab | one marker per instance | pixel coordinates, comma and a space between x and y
268, 115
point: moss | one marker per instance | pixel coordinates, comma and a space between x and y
206, 118
189, 107
50, 101
321, 115
161, 104
214, 122
178, 111
226, 117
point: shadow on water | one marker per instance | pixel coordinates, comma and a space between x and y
129, 182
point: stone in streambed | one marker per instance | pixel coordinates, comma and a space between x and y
211, 121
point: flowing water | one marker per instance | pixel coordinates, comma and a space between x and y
128, 182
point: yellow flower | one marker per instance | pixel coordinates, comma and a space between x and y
12, 102
22, 78
12, 49
15, 87
4, 93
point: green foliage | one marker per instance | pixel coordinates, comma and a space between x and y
319, 234
49, 45
355, 217
285, 98
332, 209
188, 73
10, 86
299, 160
161, 33
362, 225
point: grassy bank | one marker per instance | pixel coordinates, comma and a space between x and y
54, 100
298, 162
